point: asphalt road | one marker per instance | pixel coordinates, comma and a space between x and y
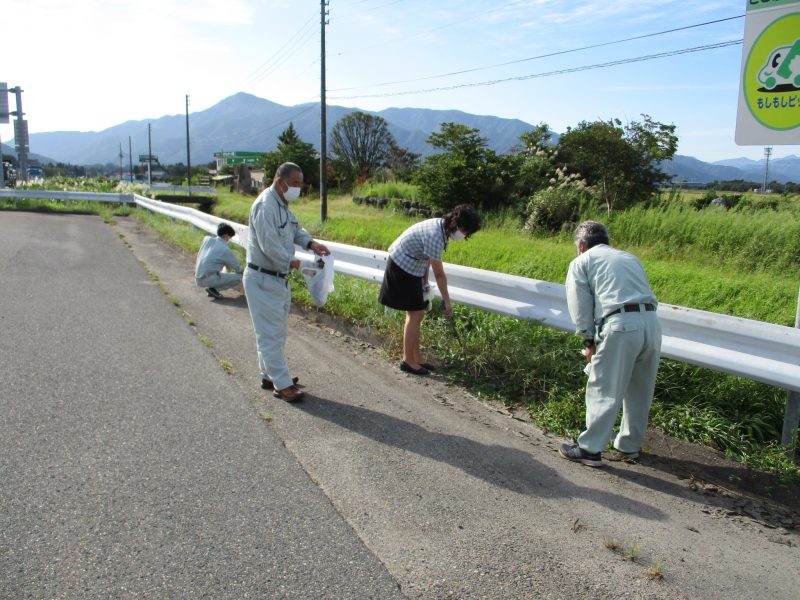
131, 464
453, 496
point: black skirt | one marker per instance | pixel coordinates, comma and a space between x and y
400, 290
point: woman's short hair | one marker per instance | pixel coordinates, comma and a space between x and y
462, 217
591, 233
225, 229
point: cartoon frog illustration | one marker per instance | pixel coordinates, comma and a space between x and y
783, 67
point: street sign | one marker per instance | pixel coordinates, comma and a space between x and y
148, 158
769, 92
239, 157
3, 102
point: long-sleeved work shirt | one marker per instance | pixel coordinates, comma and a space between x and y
274, 230
600, 281
213, 255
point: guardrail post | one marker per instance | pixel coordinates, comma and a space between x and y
791, 418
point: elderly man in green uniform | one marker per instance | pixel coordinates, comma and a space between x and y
614, 311
274, 230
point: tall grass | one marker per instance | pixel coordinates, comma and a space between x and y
389, 189
764, 241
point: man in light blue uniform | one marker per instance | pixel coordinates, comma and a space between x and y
274, 230
214, 255
614, 311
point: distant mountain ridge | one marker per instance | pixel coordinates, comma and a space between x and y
246, 122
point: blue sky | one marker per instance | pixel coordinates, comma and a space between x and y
92, 64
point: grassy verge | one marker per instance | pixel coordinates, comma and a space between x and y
523, 364
106, 210
527, 365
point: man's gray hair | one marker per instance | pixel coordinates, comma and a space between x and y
286, 169
591, 233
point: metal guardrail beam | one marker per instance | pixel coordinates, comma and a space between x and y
183, 189
58, 195
752, 349
744, 347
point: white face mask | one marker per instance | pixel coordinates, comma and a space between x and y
457, 235
292, 193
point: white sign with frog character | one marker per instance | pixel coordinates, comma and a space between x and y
769, 94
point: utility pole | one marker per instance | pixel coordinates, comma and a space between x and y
130, 157
149, 157
767, 153
323, 136
4, 118
20, 135
2, 167
120, 162
188, 156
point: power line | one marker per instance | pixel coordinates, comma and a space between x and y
549, 55
293, 117
258, 73
552, 73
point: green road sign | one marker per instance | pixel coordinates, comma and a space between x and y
240, 157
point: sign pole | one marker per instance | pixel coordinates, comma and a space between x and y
149, 157
791, 418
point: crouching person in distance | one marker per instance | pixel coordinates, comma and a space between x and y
215, 254
614, 311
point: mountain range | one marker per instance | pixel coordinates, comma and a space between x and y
247, 122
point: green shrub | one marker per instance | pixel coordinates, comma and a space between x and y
552, 208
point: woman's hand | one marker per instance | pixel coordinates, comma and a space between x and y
448, 309
294, 264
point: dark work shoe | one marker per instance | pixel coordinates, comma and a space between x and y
289, 394
213, 293
266, 384
575, 453
404, 366
619, 456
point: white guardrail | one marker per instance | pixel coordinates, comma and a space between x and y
753, 349
67, 196
182, 189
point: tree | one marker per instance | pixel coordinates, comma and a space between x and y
532, 166
622, 163
402, 162
465, 172
292, 149
360, 144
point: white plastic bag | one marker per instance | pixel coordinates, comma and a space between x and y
427, 295
318, 274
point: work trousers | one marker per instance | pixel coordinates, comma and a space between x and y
269, 298
623, 372
219, 281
